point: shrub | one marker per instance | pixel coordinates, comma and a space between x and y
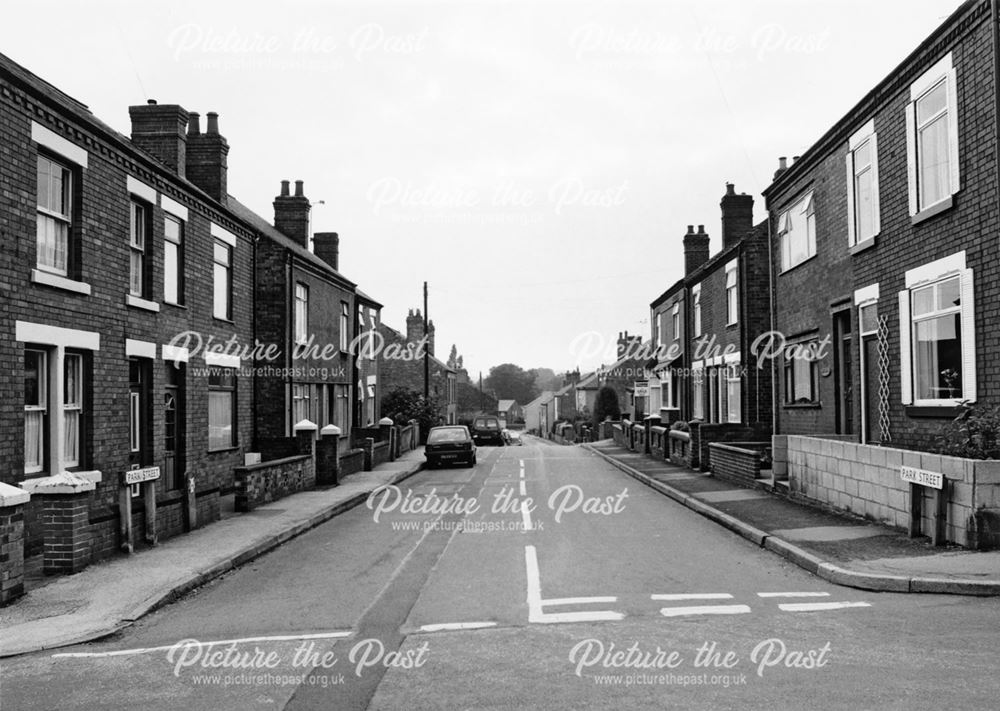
606, 406
974, 434
681, 426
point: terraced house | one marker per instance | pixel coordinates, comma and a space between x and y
885, 250
112, 248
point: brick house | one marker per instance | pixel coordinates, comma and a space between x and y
884, 250
669, 394
114, 248
307, 309
368, 392
401, 365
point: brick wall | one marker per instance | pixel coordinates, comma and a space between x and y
270, 481
11, 553
865, 480
738, 462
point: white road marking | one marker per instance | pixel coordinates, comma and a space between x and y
535, 602
579, 600
793, 594
693, 596
187, 643
705, 610
523, 490
525, 516
457, 626
818, 606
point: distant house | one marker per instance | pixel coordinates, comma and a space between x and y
533, 412
510, 411
401, 366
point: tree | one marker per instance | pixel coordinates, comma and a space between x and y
545, 379
454, 361
606, 405
511, 382
471, 401
405, 405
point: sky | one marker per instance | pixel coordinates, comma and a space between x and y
537, 162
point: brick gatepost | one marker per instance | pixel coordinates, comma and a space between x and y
328, 456
66, 533
12, 501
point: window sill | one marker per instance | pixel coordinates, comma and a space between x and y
140, 303
224, 320
223, 450
173, 305
935, 209
59, 282
940, 411
797, 265
863, 246
803, 406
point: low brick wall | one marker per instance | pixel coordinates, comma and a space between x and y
407, 439
679, 447
375, 453
262, 483
11, 553
352, 461
704, 433
865, 480
658, 442
738, 462
638, 438
618, 435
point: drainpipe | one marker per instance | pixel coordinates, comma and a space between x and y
770, 271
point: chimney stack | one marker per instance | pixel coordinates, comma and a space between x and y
782, 167
326, 245
696, 249
207, 166
430, 338
291, 214
737, 216
160, 131
415, 326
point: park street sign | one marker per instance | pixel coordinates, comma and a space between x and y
640, 389
138, 476
923, 477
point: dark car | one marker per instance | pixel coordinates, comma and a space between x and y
487, 430
448, 445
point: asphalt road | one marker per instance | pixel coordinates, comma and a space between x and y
450, 593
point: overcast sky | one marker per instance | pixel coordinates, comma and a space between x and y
536, 162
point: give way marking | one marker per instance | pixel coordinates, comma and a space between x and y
536, 613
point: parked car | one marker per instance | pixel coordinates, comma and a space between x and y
514, 437
450, 444
487, 430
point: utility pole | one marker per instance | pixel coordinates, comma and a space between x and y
427, 361
482, 403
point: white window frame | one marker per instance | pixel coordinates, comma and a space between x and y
176, 244
301, 313
137, 240
345, 322
927, 275
943, 71
72, 409
134, 421
39, 410
675, 321
62, 222
802, 212
696, 309
222, 311
734, 386
865, 136
732, 294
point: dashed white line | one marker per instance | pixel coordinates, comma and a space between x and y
446, 626
705, 610
793, 594
692, 596
579, 600
522, 489
192, 643
525, 516
818, 606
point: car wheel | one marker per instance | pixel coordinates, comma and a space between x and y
472, 462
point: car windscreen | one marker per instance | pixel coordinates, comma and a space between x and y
487, 425
452, 434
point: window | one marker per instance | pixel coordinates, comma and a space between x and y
35, 409
55, 190
138, 238
173, 260
696, 300
936, 356
802, 376
734, 392
221, 408
797, 233
300, 403
932, 138
868, 319
344, 326
698, 394
301, 314
72, 408
222, 280
372, 341
675, 322
137, 409
862, 186
732, 296
342, 408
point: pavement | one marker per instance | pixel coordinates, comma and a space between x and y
110, 595
843, 549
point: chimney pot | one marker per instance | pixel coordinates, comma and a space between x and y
782, 162
298, 189
151, 102
284, 188
194, 124
212, 123
730, 189
795, 159
701, 229
690, 229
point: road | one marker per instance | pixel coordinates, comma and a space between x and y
452, 593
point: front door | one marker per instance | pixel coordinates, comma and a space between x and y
844, 373
173, 428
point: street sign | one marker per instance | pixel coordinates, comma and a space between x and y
641, 389
923, 477
138, 476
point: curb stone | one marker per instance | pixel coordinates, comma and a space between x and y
808, 561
